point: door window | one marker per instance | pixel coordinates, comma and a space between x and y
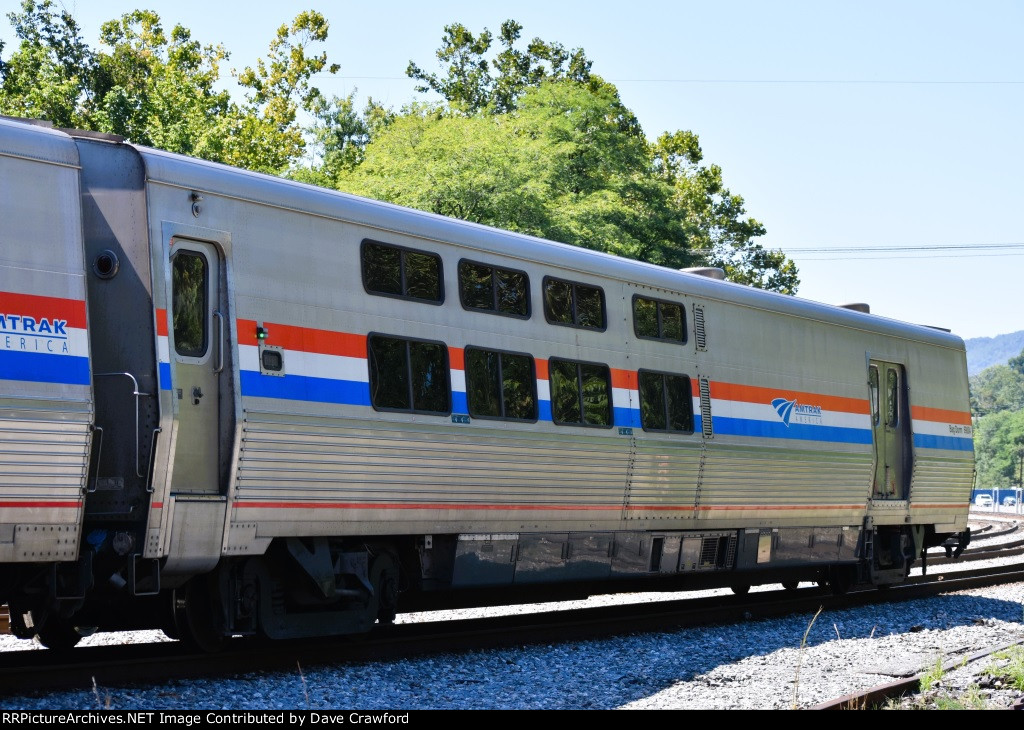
190, 287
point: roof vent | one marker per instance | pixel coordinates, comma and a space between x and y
857, 307
712, 272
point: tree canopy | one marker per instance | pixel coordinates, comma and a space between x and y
997, 404
525, 136
160, 90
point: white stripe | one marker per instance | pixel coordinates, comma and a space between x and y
765, 412
952, 430
310, 364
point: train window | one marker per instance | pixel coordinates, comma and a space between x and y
891, 397
409, 375
500, 385
581, 393
402, 272
573, 304
655, 319
876, 416
666, 402
189, 287
490, 289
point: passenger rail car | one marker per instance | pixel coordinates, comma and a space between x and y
231, 404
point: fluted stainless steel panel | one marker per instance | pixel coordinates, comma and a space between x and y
296, 458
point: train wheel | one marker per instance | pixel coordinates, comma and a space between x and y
198, 618
740, 589
59, 634
790, 585
383, 604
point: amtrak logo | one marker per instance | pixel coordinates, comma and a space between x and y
784, 408
19, 332
791, 411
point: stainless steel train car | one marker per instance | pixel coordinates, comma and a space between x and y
231, 404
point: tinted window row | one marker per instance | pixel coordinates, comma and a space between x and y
410, 375
406, 273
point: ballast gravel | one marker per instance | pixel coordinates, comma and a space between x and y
762, 664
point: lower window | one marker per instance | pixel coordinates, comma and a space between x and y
581, 393
409, 375
666, 402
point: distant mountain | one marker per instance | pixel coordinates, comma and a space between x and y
984, 352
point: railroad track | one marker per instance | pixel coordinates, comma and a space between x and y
34, 671
879, 695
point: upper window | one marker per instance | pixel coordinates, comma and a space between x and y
487, 288
876, 416
189, 287
574, 304
402, 272
500, 385
892, 397
666, 402
409, 375
655, 319
581, 393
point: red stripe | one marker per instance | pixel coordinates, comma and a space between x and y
161, 322
532, 507
37, 505
72, 310
158, 505
958, 507
626, 379
456, 358
940, 415
356, 505
759, 394
305, 339
542, 369
778, 507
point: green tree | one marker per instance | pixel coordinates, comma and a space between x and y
51, 72
469, 85
596, 182
715, 222
160, 90
266, 135
995, 389
565, 166
998, 439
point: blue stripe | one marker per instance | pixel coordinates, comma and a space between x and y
44, 368
627, 417
300, 387
459, 404
164, 370
796, 431
950, 443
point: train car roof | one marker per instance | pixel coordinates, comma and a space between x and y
32, 140
213, 178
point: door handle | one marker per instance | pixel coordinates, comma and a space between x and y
197, 393
220, 341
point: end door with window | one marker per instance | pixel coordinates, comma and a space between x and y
197, 352
890, 430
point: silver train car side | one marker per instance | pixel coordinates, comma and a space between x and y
232, 404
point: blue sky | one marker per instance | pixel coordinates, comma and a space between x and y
842, 124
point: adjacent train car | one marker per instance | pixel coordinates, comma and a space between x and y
295, 412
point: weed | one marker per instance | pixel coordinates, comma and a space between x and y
1009, 666
800, 656
930, 678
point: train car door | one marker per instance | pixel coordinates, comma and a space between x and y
890, 425
197, 364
